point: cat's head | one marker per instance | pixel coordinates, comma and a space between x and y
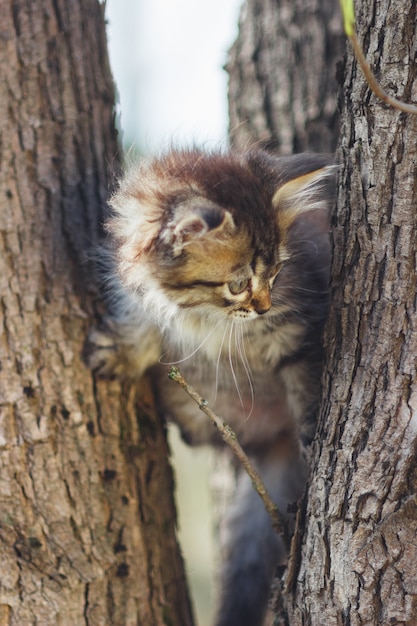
211, 233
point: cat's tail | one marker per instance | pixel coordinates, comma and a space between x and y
252, 550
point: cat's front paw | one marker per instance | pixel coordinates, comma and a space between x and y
101, 353
121, 353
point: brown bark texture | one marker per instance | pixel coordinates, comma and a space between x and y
359, 549
87, 522
354, 552
282, 75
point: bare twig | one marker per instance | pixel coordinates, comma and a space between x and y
229, 436
349, 26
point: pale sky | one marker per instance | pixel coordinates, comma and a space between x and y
167, 58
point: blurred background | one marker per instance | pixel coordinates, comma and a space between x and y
167, 58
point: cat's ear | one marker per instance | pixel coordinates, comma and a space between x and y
304, 194
193, 224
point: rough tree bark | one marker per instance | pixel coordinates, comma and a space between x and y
86, 513
354, 554
282, 82
360, 542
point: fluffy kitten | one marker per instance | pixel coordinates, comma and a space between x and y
221, 264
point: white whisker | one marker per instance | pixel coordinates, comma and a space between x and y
235, 380
194, 351
219, 357
303, 252
297, 288
246, 367
280, 300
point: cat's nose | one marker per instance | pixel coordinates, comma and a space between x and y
262, 303
262, 311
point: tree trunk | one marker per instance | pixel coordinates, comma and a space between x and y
354, 553
359, 549
282, 75
87, 518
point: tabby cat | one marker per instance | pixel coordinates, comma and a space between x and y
220, 264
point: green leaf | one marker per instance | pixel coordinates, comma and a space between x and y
348, 12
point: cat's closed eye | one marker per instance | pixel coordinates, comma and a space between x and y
238, 286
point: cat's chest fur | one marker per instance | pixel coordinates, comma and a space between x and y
263, 342
245, 372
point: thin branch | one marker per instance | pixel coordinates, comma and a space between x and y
349, 26
229, 437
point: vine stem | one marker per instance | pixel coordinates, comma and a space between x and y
230, 438
349, 26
